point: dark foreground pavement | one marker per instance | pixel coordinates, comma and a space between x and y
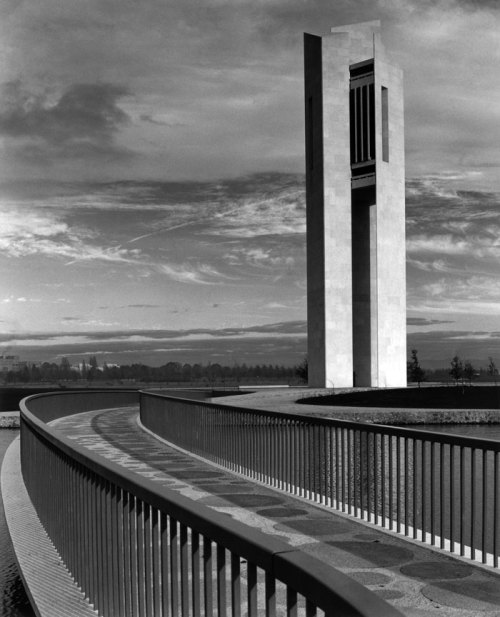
417, 580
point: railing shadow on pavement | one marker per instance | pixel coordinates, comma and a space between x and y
442, 489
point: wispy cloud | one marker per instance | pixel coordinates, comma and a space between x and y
423, 321
289, 328
25, 231
260, 257
202, 274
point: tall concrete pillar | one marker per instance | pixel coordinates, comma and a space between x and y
355, 210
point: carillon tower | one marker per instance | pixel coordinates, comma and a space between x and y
355, 187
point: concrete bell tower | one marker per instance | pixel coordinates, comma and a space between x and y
355, 194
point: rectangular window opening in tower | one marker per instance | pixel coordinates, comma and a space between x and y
310, 132
385, 124
362, 114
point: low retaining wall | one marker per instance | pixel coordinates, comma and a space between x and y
401, 417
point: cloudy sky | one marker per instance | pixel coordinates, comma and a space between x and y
152, 176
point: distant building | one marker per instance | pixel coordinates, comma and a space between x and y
355, 193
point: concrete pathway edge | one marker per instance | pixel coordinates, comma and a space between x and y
50, 588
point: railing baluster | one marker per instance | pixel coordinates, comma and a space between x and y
127, 563
310, 609
414, 450
296, 454
442, 494
195, 573
302, 459
484, 501
94, 566
424, 489
235, 586
252, 590
406, 485
184, 578
141, 565
207, 577
133, 554
391, 486
383, 489
375, 477
174, 568
398, 484
100, 572
270, 595
451, 503
362, 474
348, 469
148, 560
473, 503
116, 529
164, 565
332, 448
291, 602
463, 503
221, 581
496, 513
156, 590
433, 493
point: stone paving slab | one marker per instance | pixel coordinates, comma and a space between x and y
416, 579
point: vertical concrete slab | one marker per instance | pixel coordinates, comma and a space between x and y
355, 238
391, 251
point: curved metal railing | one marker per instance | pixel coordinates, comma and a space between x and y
136, 549
439, 488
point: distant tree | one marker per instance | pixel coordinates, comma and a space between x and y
197, 372
214, 373
469, 371
64, 369
35, 374
92, 370
492, 370
415, 371
302, 370
187, 372
457, 369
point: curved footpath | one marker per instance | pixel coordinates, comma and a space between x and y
418, 580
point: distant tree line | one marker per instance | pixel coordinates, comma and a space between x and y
171, 372
460, 371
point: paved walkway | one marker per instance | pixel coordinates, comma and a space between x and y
417, 580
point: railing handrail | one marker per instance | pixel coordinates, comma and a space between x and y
368, 426
306, 573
